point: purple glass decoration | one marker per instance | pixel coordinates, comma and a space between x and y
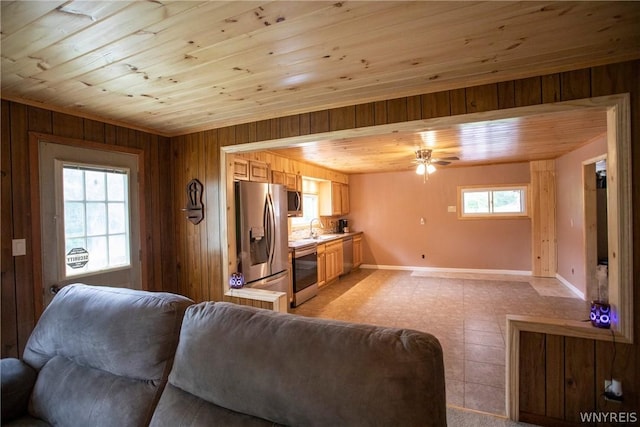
236, 281
600, 314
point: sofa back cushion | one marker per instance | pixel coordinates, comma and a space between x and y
294, 370
103, 354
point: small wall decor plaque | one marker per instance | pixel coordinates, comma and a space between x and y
195, 208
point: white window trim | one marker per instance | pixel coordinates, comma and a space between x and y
491, 188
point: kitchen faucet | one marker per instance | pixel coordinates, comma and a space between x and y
312, 235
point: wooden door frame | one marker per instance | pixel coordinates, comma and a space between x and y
36, 224
590, 224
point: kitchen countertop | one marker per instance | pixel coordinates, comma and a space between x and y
322, 238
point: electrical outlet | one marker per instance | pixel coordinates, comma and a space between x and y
613, 390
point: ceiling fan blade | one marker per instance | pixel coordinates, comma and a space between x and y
448, 158
441, 163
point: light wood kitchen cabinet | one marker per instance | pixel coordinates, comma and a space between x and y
241, 169
322, 265
250, 170
333, 260
334, 199
344, 199
258, 171
357, 250
277, 177
293, 182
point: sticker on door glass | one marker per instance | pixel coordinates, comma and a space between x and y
77, 258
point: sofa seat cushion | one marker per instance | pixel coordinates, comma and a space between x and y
179, 408
69, 394
18, 379
294, 370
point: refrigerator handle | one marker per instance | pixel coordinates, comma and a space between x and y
270, 227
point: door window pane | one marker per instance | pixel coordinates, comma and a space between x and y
96, 219
94, 185
74, 217
73, 182
118, 250
98, 253
116, 187
117, 218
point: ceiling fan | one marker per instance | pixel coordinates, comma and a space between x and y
426, 162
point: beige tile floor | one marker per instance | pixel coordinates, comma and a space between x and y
466, 312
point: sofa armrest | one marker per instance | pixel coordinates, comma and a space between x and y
18, 380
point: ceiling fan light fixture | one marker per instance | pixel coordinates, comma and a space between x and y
421, 169
430, 168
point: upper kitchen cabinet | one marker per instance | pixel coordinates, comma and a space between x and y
292, 181
250, 170
344, 198
258, 171
334, 198
241, 169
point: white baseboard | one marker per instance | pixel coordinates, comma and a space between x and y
570, 286
446, 270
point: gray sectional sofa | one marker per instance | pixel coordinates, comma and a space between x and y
116, 357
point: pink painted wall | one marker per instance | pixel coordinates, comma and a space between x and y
570, 211
388, 208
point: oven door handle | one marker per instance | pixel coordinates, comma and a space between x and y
299, 253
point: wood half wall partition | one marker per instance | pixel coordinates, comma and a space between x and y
556, 371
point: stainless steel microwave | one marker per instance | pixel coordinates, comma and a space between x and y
294, 203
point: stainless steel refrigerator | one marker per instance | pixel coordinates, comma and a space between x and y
261, 235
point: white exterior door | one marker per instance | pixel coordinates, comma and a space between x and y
89, 217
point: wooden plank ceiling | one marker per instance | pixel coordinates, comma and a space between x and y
503, 140
177, 67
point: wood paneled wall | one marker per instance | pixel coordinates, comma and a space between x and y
564, 376
198, 252
18, 311
195, 156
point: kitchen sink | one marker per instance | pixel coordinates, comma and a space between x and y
327, 236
